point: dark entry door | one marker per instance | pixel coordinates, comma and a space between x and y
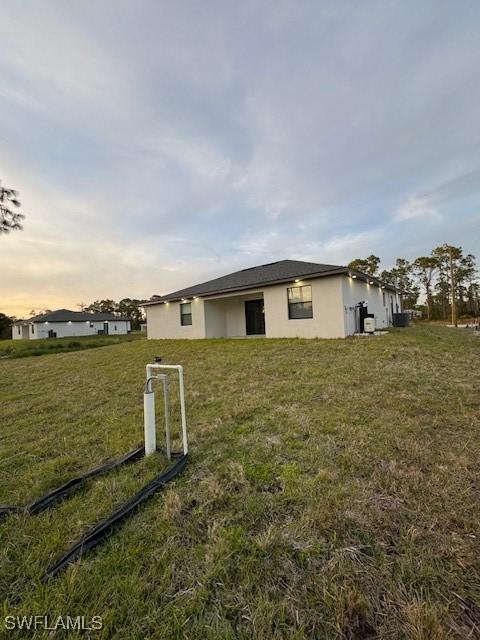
105, 328
362, 314
254, 317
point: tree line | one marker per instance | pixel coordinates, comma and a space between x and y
447, 278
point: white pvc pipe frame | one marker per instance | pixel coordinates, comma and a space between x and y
149, 409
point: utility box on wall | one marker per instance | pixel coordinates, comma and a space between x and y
369, 325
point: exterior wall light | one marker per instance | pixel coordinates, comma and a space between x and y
354, 276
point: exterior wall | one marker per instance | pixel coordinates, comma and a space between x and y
215, 319
235, 317
393, 301
20, 332
163, 321
327, 306
40, 330
333, 301
378, 302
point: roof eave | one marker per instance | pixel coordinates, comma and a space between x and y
374, 280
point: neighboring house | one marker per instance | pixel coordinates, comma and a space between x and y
414, 314
67, 324
282, 299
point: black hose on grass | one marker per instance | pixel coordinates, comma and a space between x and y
105, 528
55, 495
5, 509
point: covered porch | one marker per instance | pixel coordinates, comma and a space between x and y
235, 316
21, 331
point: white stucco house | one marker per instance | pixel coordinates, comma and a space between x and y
282, 299
68, 324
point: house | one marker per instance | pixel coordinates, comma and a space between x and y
67, 324
414, 314
282, 299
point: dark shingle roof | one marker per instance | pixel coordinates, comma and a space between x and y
265, 274
64, 315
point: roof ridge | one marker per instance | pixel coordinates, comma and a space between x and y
267, 264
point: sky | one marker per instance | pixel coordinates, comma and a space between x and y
158, 144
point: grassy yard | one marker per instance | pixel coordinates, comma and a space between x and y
48, 346
332, 489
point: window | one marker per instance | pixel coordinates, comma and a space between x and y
300, 302
185, 314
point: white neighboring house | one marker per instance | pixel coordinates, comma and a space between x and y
68, 324
414, 314
282, 299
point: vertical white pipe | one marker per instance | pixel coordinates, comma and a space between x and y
149, 422
182, 410
167, 418
179, 368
